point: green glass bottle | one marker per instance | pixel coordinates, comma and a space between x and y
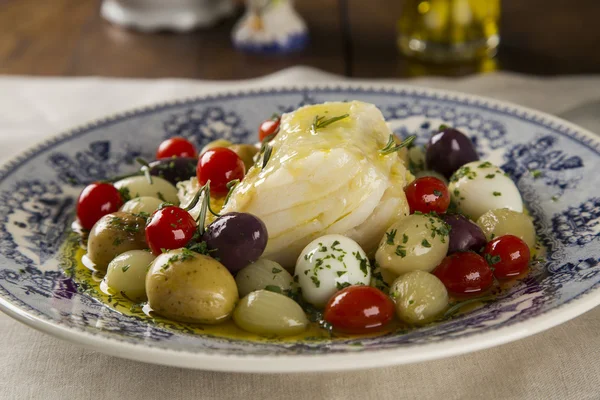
449, 30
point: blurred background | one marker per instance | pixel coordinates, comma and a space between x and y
355, 38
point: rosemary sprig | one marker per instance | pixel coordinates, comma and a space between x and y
456, 307
391, 148
145, 168
321, 122
231, 185
266, 156
205, 208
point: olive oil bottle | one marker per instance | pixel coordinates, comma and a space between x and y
445, 31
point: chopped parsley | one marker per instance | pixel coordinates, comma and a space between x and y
161, 197
536, 173
497, 194
391, 235
486, 164
118, 240
273, 288
400, 251
492, 260
340, 286
404, 238
315, 280
125, 267
490, 176
437, 193
340, 273
276, 270
555, 198
364, 262
464, 172
425, 243
125, 195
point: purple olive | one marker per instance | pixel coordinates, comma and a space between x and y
465, 235
449, 150
237, 239
174, 169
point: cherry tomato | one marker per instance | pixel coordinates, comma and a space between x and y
359, 309
169, 228
219, 166
508, 256
268, 128
465, 274
175, 147
95, 201
427, 194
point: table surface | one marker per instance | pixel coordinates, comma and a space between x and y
70, 38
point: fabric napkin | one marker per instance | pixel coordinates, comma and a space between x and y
561, 363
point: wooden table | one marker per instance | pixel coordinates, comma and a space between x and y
69, 38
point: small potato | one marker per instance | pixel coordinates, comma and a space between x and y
114, 234
416, 242
139, 186
420, 297
186, 286
140, 205
126, 273
261, 274
267, 313
500, 222
215, 144
246, 152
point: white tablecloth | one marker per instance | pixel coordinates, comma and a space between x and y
562, 363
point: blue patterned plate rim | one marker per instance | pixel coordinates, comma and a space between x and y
280, 363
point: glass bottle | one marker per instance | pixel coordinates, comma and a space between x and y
449, 30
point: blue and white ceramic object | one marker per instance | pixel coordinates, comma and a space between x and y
39, 188
270, 26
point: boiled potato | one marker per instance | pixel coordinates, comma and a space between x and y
500, 222
140, 205
186, 286
261, 274
267, 313
214, 144
127, 273
420, 297
114, 234
416, 242
139, 186
246, 152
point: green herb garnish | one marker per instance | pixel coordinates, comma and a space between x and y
391, 235
321, 122
425, 243
273, 288
392, 147
497, 194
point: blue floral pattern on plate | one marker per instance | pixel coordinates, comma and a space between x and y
38, 192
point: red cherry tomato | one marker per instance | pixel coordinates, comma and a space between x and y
427, 194
95, 201
169, 228
175, 147
268, 128
465, 274
359, 309
219, 166
508, 256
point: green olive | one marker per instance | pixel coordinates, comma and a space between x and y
216, 143
115, 234
186, 286
246, 152
503, 221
